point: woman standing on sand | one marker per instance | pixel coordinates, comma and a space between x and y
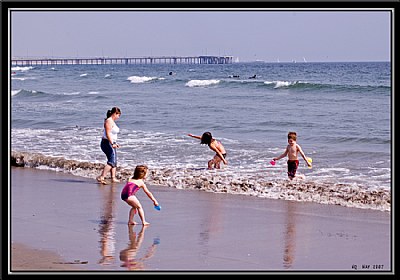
109, 145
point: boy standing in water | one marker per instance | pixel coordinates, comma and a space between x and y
216, 146
291, 151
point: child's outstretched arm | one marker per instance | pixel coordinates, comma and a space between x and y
150, 195
282, 155
194, 136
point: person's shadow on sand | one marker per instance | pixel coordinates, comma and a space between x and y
129, 257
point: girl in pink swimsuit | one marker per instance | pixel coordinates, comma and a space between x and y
133, 185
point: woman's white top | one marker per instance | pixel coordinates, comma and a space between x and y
114, 131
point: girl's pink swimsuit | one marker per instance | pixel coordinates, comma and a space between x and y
129, 189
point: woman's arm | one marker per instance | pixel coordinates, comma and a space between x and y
108, 126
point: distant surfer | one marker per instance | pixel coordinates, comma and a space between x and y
253, 77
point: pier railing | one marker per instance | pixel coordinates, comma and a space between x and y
124, 60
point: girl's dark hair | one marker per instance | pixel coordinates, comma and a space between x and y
206, 138
112, 111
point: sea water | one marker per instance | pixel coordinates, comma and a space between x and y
342, 113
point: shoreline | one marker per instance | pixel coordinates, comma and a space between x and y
219, 181
196, 231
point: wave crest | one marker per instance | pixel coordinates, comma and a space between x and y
201, 83
140, 79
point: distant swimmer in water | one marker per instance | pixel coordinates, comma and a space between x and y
253, 77
234, 76
171, 73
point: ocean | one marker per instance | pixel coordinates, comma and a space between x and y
342, 113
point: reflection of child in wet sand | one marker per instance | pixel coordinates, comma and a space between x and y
291, 151
128, 193
129, 255
216, 146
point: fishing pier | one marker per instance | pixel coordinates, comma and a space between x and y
124, 60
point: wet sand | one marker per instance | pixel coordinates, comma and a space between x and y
24, 258
70, 223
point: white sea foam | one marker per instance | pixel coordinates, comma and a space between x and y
21, 68
201, 83
279, 84
15, 92
221, 181
22, 78
140, 79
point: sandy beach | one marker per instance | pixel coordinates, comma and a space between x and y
64, 223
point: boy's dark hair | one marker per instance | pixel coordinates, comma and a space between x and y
292, 135
206, 138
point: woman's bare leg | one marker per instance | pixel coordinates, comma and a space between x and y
113, 175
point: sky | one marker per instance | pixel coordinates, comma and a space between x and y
249, 35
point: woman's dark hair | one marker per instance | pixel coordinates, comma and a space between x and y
112, 111
206, 138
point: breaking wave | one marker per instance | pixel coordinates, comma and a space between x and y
218, 181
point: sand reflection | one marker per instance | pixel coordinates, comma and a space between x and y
211, 224
107, 227
289, 236
129, 256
